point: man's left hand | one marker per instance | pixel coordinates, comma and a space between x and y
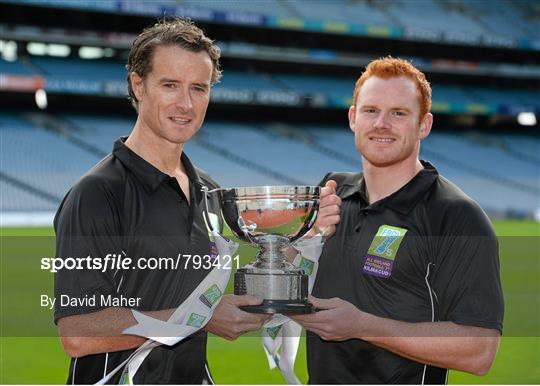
336, 319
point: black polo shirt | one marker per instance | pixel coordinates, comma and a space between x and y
425, 253
125, 206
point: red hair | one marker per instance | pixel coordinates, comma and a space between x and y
389, 67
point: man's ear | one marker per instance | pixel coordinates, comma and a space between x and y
425, 125
137, 85
352, 117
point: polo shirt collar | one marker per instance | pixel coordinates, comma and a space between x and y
150, 176
353, 185
405, 198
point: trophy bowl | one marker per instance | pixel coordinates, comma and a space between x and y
271, 218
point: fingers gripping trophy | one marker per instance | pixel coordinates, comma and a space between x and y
271, 218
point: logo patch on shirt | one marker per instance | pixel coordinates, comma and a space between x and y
195, 320
211, 295
382, 252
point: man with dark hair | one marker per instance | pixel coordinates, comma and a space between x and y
144, 201
169, 32
408, 286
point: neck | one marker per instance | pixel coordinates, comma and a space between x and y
162, 154
382, 181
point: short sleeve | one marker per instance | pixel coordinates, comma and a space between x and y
324, 179
466, 283
86, 227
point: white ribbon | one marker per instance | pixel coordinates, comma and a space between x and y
282, 332
195, 312
191, 316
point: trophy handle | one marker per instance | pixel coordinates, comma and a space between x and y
241, 225
206, 192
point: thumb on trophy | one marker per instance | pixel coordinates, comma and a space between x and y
329, 188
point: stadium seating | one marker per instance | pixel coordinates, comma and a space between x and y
39, 158
519, 144
332, 86
354, 12
247, 80
78, 68
428, 15
14, 68
491, 175
471, 18
311, 84
15, 199
511, 22
490, 167
274, 8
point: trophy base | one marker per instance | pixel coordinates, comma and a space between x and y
280, 307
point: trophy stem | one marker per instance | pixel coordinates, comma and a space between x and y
270, 255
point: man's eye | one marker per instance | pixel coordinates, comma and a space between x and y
169, 85
400, 113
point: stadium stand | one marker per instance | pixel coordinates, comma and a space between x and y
247, 80
313, 84
98, 71
348, 11
499, 168
14, 68
269, 154
514, 21
27, 157
252, 80
16, 199
275, 8
471, 18
69, 68
434, 16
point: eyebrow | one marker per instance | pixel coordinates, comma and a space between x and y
204, 84
167, 80
402, 109
393, 108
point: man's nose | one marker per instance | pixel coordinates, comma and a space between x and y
183, 100
382, 121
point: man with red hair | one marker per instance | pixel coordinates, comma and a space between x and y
408, 286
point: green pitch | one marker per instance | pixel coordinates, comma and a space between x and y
40, 359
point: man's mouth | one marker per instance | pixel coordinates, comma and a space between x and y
180, 120
382, 139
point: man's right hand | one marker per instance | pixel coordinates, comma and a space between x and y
229, 321
329, 210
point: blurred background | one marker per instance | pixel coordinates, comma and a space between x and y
278, 117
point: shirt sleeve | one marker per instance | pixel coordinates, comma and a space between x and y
324, 179
86, 227
466, 284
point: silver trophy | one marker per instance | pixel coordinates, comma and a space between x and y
271, 218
